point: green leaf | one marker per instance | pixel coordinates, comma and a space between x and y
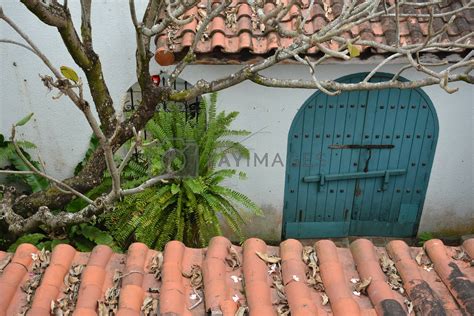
174, 188
24, 120
353, 50
36, 183
33, 239
45, 245
196, 186
69, 73
96, 235
84, 245
74, 230
103, 238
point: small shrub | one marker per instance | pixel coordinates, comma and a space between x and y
189, 207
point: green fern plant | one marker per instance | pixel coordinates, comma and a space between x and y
184, 208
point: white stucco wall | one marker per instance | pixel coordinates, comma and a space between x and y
61, 132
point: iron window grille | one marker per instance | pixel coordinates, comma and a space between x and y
133, 98
190, 108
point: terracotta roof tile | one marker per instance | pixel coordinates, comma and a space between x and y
381, 295
243, 34
225, 277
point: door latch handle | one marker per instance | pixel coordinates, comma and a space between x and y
386, 177
366, 168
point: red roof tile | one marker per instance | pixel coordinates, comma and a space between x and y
237, 35
266, 280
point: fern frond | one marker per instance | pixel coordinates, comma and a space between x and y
238, 197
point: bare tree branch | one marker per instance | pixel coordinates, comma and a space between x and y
210, 15
183, 6
7, 41
81, 52
19, 225
32, 45
163, 15
42, 174
86, 29
16, 172
352, 14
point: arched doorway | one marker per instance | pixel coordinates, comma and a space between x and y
359, 163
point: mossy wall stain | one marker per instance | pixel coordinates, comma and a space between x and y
446, 224
266, 227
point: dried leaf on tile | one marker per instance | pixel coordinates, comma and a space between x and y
409, 306
277, 284
72, 281
154, 290
156, 265
202, 16
324, 299
241, 311
102, 309
313, 277
256, 23
109, 305
393, 277
5, 262
235, 298
149, 306
386, 263
171, 34
327, 9
283, 310
310, 259
428, 267
459, 255
268, 259
361, 285
272, 268
423, 260
233, 259
195, 276
419, 257
231, 18
202, 13
41, 261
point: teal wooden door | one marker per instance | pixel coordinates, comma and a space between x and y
359, 163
